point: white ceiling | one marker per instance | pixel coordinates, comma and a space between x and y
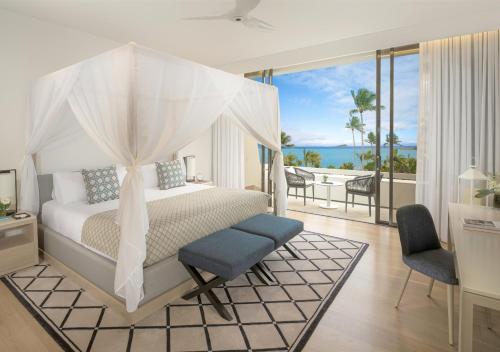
299, 23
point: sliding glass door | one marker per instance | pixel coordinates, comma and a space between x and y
397, 83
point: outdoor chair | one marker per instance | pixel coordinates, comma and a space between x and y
361, 186
300, 179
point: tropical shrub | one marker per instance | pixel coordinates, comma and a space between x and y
312, 159
291, 160
347, 166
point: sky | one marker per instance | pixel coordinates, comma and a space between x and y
315, 104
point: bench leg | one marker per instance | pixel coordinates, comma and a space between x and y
258, 273
266, 272
263, 274
206, 288
292, 251
216, 281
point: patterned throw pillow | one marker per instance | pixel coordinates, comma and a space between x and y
101, 184
170, 174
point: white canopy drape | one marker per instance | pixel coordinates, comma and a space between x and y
140, 106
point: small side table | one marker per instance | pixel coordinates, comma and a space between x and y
18, 244
328, 185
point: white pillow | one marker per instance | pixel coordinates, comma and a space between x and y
290, 169
69, 187
150, 176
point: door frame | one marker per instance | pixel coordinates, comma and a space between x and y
380, 54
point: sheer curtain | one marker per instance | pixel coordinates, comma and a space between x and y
228, 154
459, 117
45, 108
250, 109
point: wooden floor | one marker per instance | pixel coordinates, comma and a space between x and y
362, 317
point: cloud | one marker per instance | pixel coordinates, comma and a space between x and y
315, 104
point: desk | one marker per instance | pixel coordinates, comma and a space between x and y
477, 263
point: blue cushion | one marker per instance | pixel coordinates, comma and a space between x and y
226, 253
436, 263
279, 229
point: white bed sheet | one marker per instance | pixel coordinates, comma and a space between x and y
68, 219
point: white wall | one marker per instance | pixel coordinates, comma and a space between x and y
30, 49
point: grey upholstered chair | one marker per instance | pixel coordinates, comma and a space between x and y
361, 186
422, 252
300, 179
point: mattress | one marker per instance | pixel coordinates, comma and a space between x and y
177, 221
68, 219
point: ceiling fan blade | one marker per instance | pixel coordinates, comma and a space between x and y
243, 7
254, 22
206, 18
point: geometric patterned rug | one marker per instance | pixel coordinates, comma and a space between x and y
279, 317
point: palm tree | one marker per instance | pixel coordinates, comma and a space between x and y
312, 159
395, 139
371, 139
286, 140
354, 124
364, 100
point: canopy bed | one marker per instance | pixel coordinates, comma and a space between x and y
141, 106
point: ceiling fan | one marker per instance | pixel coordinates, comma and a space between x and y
240, 14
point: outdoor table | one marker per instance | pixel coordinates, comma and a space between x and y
328, 185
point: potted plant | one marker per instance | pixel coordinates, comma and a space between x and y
4, 205
325, 178
493, 188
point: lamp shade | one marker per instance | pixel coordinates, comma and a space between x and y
190, 161
469, 182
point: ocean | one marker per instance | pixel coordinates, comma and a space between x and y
345, 154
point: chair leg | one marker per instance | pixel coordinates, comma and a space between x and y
296, 192
346, 200
353, 200
403, 289
487, 313
431, 284
305, 191
370, 206
287, 191
313, 193
449, 291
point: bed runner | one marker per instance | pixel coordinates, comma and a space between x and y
177, 221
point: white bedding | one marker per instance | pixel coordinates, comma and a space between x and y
68, 219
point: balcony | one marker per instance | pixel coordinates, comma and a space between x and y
404, 193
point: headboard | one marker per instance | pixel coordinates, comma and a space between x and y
45, 185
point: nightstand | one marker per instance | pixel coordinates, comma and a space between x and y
18, 244
205, 182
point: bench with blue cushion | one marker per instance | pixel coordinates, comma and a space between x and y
227, 254
279, 229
